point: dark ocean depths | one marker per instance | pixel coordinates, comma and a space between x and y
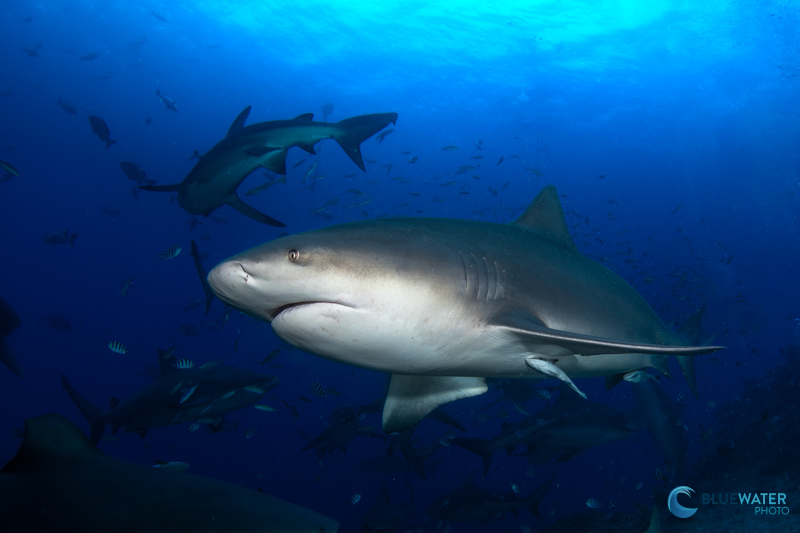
670, 130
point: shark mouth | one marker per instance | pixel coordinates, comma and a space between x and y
287, 308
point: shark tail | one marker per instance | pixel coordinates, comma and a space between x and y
479, 447
109, 142
534, 499
72, 239
354, 131
89, 411
9, 359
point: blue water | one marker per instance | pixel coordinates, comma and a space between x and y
671, 131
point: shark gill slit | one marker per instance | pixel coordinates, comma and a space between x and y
477, 276
501, 283
466, 275
491, 286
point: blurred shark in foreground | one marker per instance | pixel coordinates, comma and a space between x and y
182, 393
59, 481
443, 303
213, 181
9, 322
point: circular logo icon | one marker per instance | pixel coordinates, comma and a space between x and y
677, 509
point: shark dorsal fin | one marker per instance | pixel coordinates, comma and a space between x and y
546, 217
238, 124
51, 440
113, 402
305, 116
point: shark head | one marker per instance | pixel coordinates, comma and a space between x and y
347, 292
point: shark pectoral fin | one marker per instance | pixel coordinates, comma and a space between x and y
308, 147
411, 398
351, 132
531, 329
258, 151
549, 369
276, 163
253, 213
238, 124
161, 188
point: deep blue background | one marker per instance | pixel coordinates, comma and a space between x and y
690, 113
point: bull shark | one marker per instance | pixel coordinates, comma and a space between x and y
179, 395
59, 481
444, 303
213, 181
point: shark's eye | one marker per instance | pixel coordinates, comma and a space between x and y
294, 255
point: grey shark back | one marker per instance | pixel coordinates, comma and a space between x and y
213, 181
89, 492
444, 303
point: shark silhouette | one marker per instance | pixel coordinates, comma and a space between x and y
59, 482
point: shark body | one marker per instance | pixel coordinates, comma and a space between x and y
60, 482
177, 396
444, 303
213, 181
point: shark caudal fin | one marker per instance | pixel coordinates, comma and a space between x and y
353, 131
198, 264
535, 499
89, 411
161, 188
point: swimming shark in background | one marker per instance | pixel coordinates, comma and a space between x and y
59, 481
213, 181
182, 393
443, 303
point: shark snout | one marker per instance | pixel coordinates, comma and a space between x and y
227, 278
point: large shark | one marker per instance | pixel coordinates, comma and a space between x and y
179, 395
443, 303
213, 181
59, 481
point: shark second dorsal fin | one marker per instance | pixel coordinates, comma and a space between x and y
238, 124
51, 440
546, 217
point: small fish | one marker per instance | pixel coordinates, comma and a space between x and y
681, 397
413, 159
530, 472
168, 102
254, 389
601, 176
444, 441
711, 403
310, 170
659, 474
292, 409
249, 433
544, 393
270, 356
194, 426
304, 399
66, 106
171, 465
171, 252
265, 408
188, 394
639, 485
535, 172
481, 417
184, 364
477, 157
464, 169
88, 57
450, 148
355, 498
60, 238
515, 488
500, 161
611, 504
117, 347
525, 529
677, 209
321, 391
100, 128
594, 503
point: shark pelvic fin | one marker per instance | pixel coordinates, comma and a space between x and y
546, 218
238, 124
89, 411
276, 163
161, 188
236, 203
554, 343
351, 132
411, 398
258, 151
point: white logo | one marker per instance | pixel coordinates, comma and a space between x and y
677, 509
